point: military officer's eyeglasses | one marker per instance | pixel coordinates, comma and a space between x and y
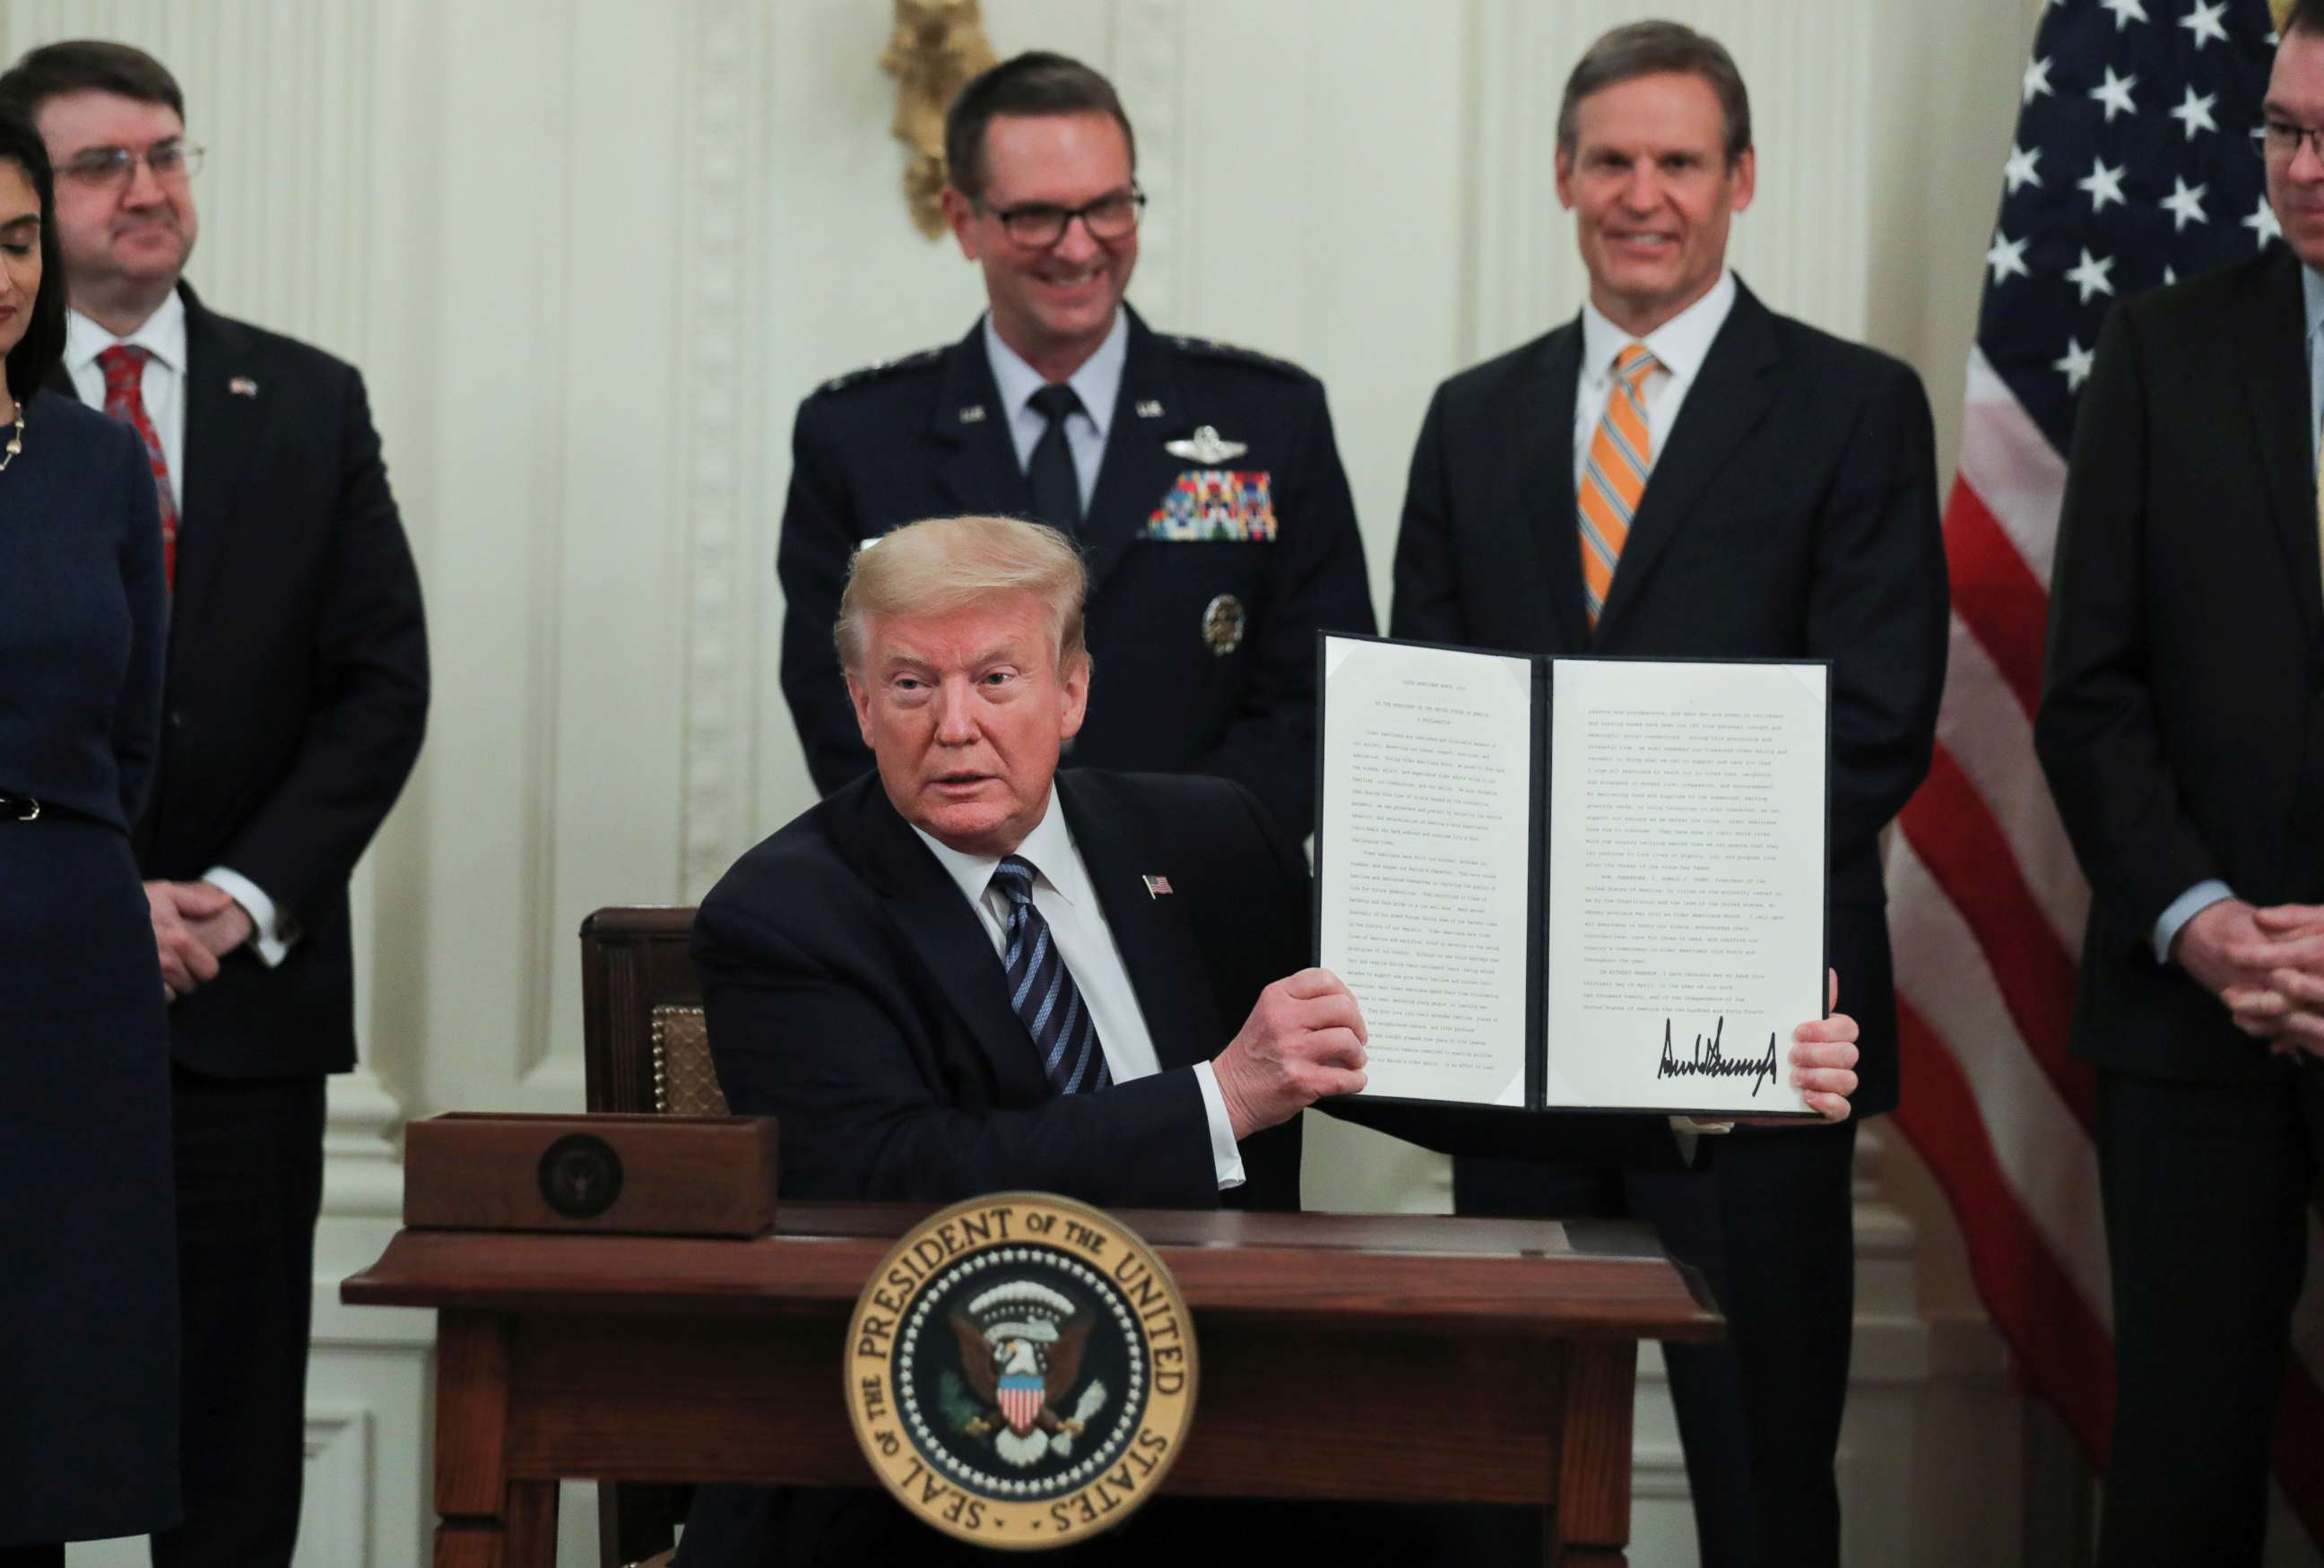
1038, 225
116, 166
2281, 138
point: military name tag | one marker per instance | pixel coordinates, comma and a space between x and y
1020, 1372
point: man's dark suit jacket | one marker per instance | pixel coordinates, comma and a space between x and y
2181, 725
1791, 514
297, 684
927, 436
853, 993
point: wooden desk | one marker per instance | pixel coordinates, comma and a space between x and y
1496, 1361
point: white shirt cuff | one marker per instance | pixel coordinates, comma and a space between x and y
2183, 909
271, 933
1224, 1155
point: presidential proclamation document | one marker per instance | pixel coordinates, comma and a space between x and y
1685, 924
1587, 884
1427, 759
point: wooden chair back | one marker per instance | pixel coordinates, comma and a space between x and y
646, 1049
641, 1024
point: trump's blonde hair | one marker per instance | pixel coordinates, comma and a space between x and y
948, 564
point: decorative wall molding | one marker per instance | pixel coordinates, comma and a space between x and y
369, 1406
724, 207
1514, 231
338, 1487
548, 464
1149, 68
363, 1174
295, 158
1658, 1474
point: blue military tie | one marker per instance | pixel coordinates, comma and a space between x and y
1043, 992
1057, 484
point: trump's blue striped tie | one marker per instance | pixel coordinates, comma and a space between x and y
1043, 992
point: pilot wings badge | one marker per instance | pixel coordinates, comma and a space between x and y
1205, 446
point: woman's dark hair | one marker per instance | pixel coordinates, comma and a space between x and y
36, 353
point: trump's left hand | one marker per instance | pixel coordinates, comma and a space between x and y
1824, 1064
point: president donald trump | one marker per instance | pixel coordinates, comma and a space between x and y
969, 971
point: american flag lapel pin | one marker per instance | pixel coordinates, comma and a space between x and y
242, 386
1157, 886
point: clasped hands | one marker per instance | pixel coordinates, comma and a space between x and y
2266, 964
1304, 1042
194, 925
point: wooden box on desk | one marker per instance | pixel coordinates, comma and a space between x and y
667, 1176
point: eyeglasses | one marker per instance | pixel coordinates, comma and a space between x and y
1037, 225
2281, 138
116, 166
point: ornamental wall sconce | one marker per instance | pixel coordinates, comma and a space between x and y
935, 46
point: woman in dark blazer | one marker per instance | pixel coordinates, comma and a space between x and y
88, 1323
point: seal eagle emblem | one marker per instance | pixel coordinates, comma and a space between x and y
1021, 1353
1021, 1370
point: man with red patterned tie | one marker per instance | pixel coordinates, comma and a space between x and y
296, 692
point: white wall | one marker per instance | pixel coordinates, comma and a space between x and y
591, 254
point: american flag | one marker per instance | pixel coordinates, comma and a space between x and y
2135, 164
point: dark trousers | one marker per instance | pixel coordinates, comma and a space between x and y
249, 1184
2207, 1189
31, 1557
1770, 1222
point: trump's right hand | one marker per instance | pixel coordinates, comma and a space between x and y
1304, 1042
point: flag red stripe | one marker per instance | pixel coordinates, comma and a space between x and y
1996, 594
1957, 839
2063, 1351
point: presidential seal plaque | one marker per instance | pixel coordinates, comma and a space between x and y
1020, 1372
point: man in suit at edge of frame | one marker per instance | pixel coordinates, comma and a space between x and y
1201, 481
858, 979
294, 701
2182, 734
1682, 472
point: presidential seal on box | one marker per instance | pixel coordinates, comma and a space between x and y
1020, 1372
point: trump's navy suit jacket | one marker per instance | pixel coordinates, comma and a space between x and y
851, 992
854, 993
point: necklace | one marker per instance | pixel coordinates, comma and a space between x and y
15, 442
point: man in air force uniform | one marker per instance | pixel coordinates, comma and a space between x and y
1201, 481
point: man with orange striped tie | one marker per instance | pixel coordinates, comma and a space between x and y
1683, 472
